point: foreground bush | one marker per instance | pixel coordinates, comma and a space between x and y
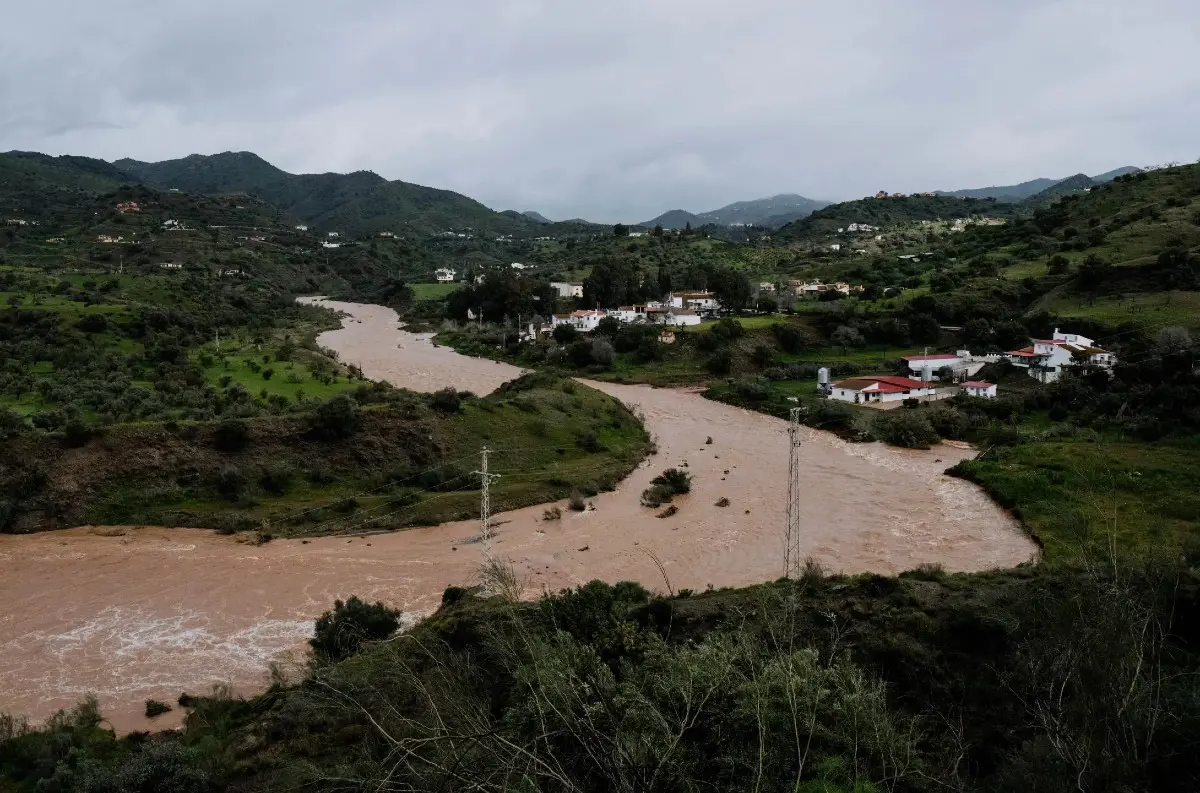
343, 631
906, 428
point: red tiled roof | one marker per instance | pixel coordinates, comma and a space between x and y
882, 384
1027, 352
977, 384
942, 357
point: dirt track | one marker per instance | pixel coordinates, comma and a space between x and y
153, 612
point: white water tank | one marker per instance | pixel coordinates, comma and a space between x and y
823, 376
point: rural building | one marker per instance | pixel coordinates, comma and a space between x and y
171, 266
332, 234
128, 206
696, 301
1046, 359
109, 239
301, 227
586, 321
666, 337
979, 388
682, 317
917, 364
518, 266
566, 289
879, 388
444, 275
837, 246
331, 244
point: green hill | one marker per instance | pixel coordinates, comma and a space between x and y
1079, 183
885, 212
355, 204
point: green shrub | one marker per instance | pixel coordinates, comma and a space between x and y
155, 708
907, 428
344, 630
674, 480
576, 502
336, 418
446, 401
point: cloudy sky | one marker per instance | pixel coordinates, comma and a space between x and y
615, 110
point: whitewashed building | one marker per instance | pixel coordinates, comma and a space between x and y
979, 388
868, 389
919, 364
445, 275
586, 321
695, 301
682, 317
1046, 359
566, 289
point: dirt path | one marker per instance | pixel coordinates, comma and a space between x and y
154, 612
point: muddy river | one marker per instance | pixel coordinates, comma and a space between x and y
142, 612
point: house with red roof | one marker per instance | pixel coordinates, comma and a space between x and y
979, 388
1046, 359
870, 389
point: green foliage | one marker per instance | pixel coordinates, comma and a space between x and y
350, 626
231, 435
908, 428
155, 708
446, 400
336, 418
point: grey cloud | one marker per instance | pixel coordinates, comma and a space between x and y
620, 110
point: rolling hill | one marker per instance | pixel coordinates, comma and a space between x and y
1024, 190
354, 204
888, 212
772, 212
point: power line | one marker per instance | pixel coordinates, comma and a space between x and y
485, 504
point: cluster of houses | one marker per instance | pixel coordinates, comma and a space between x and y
943, 375
808, 288
20, 222
679, 309
128, 206
882, 194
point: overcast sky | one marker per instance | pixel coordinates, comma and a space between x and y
615, 110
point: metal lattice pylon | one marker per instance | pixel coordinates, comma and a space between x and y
485, 503
791, 553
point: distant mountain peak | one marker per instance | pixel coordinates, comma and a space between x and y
538, 216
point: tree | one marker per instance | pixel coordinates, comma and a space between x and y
846, 337
337, 417
731, 287
564, 333
344, 630
1173, 339
602, 353
620, 230
658, 230
609, 326
924, 328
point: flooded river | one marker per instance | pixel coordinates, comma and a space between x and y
147, 612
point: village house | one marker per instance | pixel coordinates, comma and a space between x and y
171, 266
835, 246
567, 290
444, 275
302, 227
681, 317
332, 234
918, 365
861, 227
128, 206
386, 234
173, 225
1046, 359
109, 239
696, 301
766, 286
586, 321
518, 266
868, 389
979, 388
331, 244
629, 314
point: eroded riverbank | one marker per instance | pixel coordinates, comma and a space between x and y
153, 612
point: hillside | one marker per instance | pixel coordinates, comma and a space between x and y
770, 212
1024, 190
1078, 183
355, 204
885, 212
536, 216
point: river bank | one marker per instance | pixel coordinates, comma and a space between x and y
154, 612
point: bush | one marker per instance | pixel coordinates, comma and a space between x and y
155, 708
231, 435
721, 362
553, 513
277, 479
602, 353
907, 428
446, 401
753, 389
336, 418
10, 422
948, 422
674, 480
564, 334
230, 482
576, 502
344, 630
789, 337
656, 496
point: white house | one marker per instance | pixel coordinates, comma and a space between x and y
518, 266
386, 234
696, 301
333, 234
445, 275
879, 388
837, 246
979, 388
171, 266
628, 314
682, 317
917, 364
861, 227
766, 286
302, 227
566, 289
586, 321
1047, 358
331, 244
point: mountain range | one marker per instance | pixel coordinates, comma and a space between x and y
772, 212
1024, 190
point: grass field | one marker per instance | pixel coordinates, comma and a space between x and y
1150, 311
434, 291
1090, 500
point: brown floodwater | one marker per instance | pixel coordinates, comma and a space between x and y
149, 612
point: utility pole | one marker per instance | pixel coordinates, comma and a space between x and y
791, 553
485, 503
218, 340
